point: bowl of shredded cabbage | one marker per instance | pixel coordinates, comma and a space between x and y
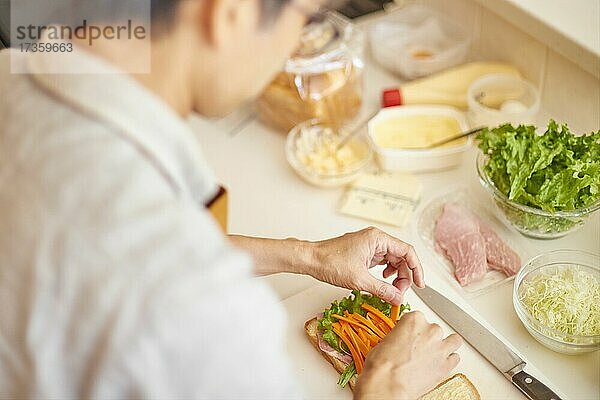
557, 297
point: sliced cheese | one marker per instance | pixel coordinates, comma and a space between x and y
383, 197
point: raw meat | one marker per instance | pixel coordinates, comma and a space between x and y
499, 255
326, 348
472, 246
457, 234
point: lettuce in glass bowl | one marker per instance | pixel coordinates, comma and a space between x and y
546, 186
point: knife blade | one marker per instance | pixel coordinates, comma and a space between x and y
486, 344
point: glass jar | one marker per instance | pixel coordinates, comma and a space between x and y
323, 80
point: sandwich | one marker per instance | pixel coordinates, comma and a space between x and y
347, 330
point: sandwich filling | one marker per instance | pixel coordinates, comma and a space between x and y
352, 326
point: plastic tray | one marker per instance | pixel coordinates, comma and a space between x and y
426, 225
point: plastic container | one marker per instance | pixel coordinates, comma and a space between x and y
323, 80
501, 98
419, 160
301, 140
425, 226
548, 263
529, 221
416, 41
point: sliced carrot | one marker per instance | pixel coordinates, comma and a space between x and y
370, 324
363, 336
378, 313
348, 320
395, 313
367, 335
379, 323
361, 339
357, 346
355, 354
357, 341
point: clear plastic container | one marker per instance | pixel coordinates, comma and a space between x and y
502, 98
426, 225
323, 80
416, 41
419, 160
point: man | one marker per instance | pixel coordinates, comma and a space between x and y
115, 281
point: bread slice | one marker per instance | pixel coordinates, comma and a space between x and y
458, 387
311, 327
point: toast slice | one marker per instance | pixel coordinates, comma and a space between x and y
311, 327
458, 387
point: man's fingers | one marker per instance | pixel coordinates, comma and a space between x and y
453, 360
414, 265
398, 248
402, 284
388, 271
383, 290
452, 343
404, 279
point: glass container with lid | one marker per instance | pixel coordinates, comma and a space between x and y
322, 80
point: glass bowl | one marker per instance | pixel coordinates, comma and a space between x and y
311, 135
549, 263
530, 221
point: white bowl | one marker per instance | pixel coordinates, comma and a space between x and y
419, 160
500, 90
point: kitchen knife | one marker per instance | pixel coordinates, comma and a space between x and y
488, 345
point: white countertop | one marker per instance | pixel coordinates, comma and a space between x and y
267, 199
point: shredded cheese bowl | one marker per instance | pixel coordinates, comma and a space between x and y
312, 151
557, 298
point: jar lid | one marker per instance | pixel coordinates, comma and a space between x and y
320, 35
327, 41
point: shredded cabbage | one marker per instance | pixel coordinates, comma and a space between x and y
564, 299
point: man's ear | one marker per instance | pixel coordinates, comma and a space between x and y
225, 20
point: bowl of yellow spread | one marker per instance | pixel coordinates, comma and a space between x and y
313, 151
402, 136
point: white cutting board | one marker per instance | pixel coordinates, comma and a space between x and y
318, 379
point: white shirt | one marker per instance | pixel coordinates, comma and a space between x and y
115, 282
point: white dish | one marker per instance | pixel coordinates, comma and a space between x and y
425, 228
417, 160
517, 101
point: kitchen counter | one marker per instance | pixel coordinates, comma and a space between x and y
267, 199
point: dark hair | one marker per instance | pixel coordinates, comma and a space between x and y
163, 11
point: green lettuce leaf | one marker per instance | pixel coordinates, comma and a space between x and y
556, 171
347, 375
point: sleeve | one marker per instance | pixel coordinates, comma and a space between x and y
160, 305
193, 322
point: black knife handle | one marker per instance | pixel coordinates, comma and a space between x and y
532, 388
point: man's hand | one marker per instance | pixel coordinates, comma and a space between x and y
345, 262
409, 362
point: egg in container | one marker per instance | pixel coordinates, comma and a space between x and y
401, 136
